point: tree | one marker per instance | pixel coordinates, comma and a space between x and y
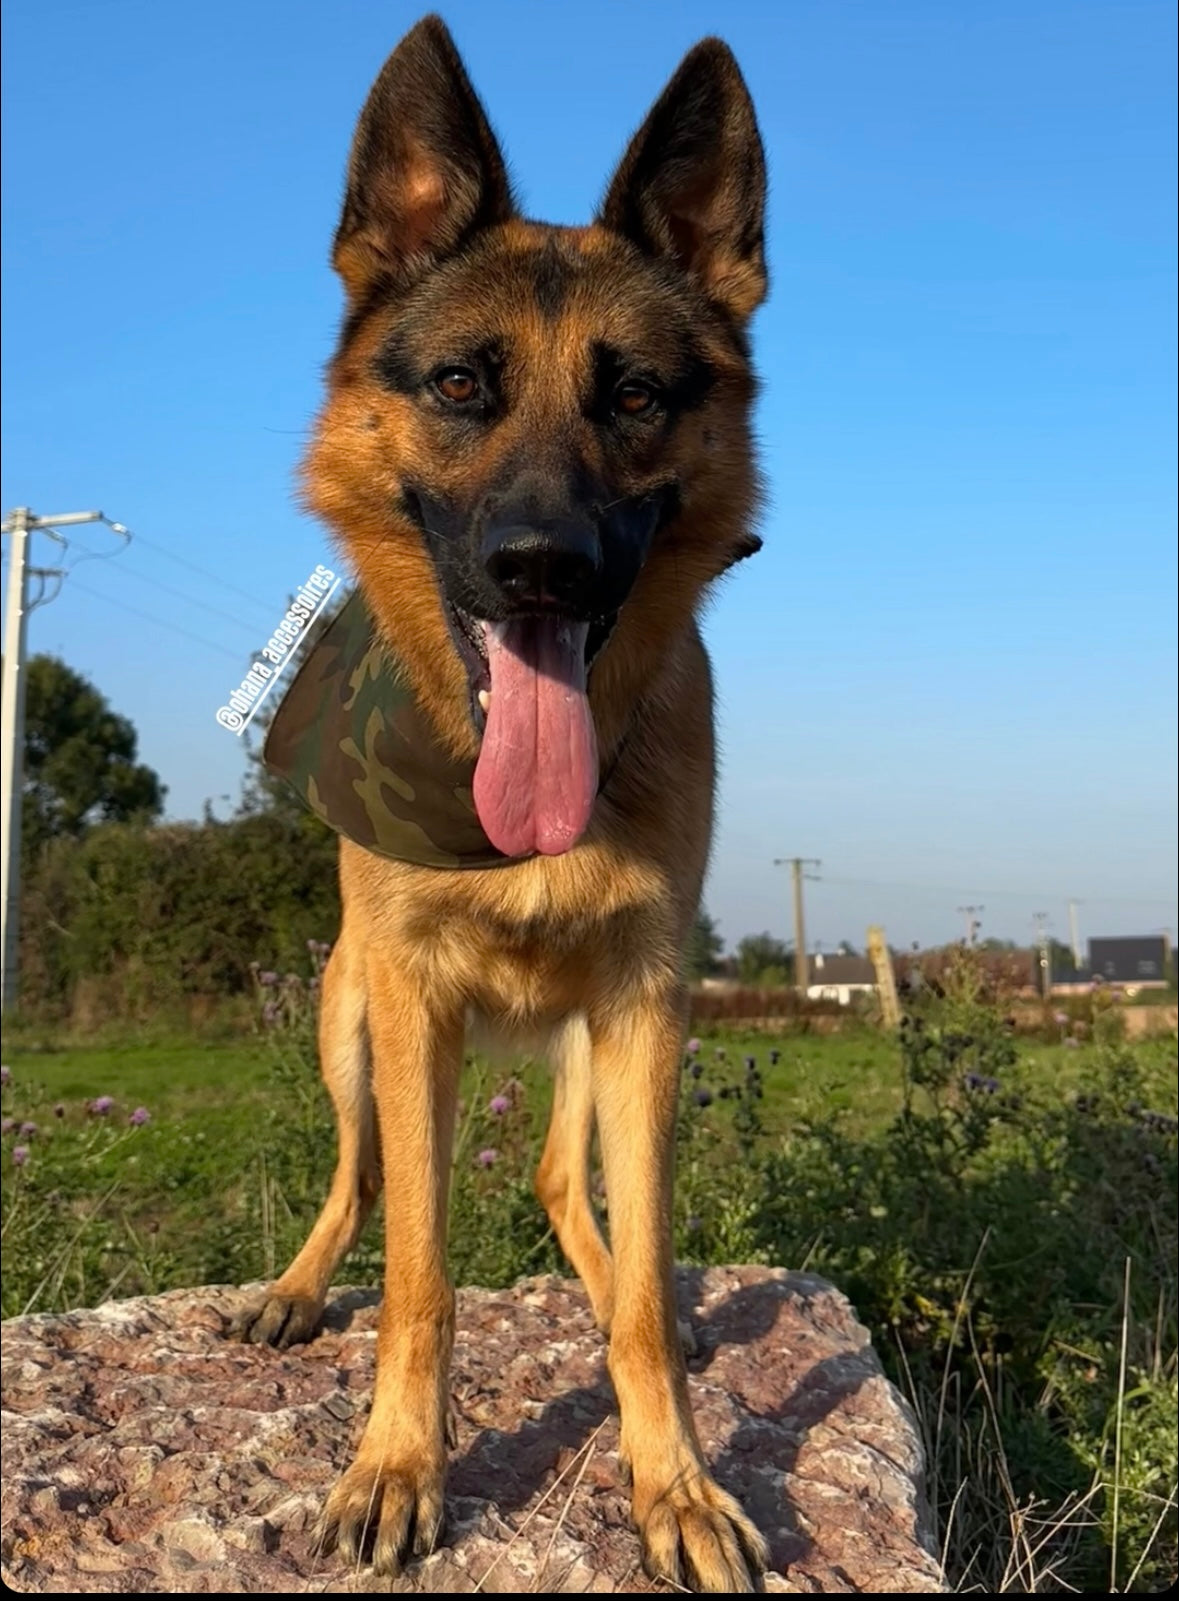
762, 959
704, 947
80, 765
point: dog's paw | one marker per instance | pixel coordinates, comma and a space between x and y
279, 1320
383, 1514
697, 1537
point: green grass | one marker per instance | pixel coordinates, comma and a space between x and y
224, 1084
177, 1077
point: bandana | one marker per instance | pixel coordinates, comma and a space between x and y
353, 743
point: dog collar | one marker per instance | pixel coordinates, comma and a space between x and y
359, 751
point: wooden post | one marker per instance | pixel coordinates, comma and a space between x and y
886, 982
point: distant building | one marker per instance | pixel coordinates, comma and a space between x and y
838, 978
1136, 962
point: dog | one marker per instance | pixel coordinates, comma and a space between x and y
536, 455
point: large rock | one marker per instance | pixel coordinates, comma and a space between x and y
144, 1452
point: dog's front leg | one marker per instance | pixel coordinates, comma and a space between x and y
691, 1530
390, 1501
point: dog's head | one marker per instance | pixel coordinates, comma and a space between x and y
536, 443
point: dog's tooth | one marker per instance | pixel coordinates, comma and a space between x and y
484, 699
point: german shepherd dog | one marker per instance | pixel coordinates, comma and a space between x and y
536, 454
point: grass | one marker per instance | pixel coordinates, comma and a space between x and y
1001, 1212
219, 1086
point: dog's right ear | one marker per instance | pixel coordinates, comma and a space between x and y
425, 172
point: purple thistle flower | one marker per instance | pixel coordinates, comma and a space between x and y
313, 945
269, 979
5, 1074
270, 1013
20, 1155
696, 1069
139, 1117
692, 1047
1060, 1018
29, 1130
499, 1104
972, 1081
702, 1097
1072, 1043
7, 1124
100, 1105
487, 1158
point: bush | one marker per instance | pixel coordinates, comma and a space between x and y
132, 918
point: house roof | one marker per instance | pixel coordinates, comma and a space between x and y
1134, 959
841, 970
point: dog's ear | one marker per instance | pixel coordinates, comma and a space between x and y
425, 171
692, 185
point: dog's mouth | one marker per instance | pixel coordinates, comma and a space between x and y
536, 778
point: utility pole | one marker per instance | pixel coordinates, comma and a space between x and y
1041, 921
972, 915
797, 864
20, 523
1074, 936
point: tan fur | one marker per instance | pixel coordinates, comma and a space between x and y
586, 946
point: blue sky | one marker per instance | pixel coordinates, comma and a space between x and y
951, 673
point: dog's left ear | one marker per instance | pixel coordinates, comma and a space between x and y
692, 185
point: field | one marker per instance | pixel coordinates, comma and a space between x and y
1000, 1210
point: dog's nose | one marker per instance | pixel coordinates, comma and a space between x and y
547, 563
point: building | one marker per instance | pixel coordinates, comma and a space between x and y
838, 978
1134, 962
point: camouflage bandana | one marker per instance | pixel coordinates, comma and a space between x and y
358, 750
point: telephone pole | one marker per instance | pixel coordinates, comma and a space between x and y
972, 915
1041, 920
797, 866
20, 523
1074, 936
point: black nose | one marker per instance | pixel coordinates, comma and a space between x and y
544, 563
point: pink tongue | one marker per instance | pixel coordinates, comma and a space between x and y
537, 774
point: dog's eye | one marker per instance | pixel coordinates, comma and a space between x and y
632, 399
457, 384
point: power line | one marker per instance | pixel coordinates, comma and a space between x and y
976, 889
216, 578
162, 622
167, 589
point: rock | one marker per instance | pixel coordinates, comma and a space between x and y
143, 1452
